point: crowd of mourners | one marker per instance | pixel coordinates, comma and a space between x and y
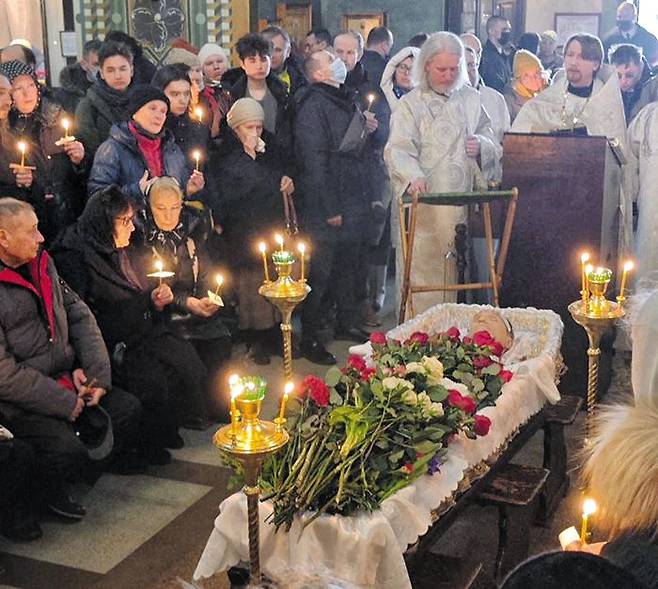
189, 165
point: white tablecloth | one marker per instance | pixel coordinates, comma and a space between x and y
366, 550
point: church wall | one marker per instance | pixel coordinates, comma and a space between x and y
540, 14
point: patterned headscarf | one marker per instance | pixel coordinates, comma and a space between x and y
14, 69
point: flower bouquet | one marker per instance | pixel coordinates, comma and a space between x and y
371, 429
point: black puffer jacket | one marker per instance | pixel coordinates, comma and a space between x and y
189, 135
74, 84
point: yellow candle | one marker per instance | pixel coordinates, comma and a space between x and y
584, 292
220, 280
65, 124
233, 381
284, 400
263, 251
198, 111
279, 241
159, 266
22, 147
589, 508
371, 99
302, 250
197, 157
628, 266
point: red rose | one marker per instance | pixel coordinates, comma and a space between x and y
481, 425
356, 362
317, 389
482, 361
367, 373
418, 337
378, 338
482, 338
453, 333
467, 340
466, 404
505, 375
497, 348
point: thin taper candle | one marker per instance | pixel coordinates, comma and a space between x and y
284, 400
302, 251
589, 507
22, 147
220, 281
279, 241
263, 251
628, 266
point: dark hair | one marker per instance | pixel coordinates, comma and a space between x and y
591, 47
252, 45
168, 74
418, 40
92, 46
273, 31
111, 49
379, 35
121, 37
529, 42
626, 54
492, 20
97, 220
321, 35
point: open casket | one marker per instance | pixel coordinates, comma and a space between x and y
367, 550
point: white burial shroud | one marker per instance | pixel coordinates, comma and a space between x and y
366, 550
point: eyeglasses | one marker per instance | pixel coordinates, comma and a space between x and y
403, 67
126, 221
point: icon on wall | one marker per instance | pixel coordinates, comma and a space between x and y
156, 24
363, 23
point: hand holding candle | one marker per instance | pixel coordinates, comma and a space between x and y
65, 124
196, 154
215, 297
589, 508
198, 113
22, 147
371, 100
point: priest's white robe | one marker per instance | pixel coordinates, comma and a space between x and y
427, 140
643, 138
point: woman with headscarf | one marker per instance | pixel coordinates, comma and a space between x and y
142, 149
214, 99
246, 185
36, 120
177, 234
398, 79
158, 367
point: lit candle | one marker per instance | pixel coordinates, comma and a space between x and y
371, 99
628, 266
589, 507
159, 266
263, 251
302, 250
279, 241
22, 147
198, 111
220, 280
65, 124
197, 156
584, 292
235, 390
284, 400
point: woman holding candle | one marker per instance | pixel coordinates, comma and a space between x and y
60, 169
161, 369
142, 149
191, 135
177, 233
246, 183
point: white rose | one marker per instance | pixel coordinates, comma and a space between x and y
424, 401
409, 397
434, 367
436, 410
415, 367
390, 383
458, 386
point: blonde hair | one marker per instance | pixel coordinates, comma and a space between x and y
162, 185
621, 468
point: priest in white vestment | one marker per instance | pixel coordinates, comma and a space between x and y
587, 96
441, 140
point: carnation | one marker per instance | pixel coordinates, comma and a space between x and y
317, 389
505, 375
482, 361
436, 410
378, 338
356, 362
418, 337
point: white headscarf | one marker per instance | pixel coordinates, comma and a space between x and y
388, 77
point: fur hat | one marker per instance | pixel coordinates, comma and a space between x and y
243, 110
141, 94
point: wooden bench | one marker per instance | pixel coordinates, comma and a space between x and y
556, 416
438, 571
515, 491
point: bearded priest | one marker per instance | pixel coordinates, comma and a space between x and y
441, 140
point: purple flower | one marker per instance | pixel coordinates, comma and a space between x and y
434, 464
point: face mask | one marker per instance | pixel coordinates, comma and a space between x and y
91, 73
338, 71
624, 25
505, 37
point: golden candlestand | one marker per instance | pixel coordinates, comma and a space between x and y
596, 315
285, 293
251, 441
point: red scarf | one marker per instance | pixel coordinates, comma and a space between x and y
151, 150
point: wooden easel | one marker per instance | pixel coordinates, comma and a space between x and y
408, 234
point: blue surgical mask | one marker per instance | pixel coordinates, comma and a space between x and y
338, 71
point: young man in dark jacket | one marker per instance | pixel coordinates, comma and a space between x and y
53, 362
333, 180
495, 64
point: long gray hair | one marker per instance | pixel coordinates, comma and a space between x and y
441, 42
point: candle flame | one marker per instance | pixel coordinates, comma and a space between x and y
219, 279
237, 390
584, 258
290, 386
65, 124
233, 380
159, 265
371, 98
589, 507
599, 270
21, 146
628, 266
262, 247
198, 111
302, 248
196, 154
278, 239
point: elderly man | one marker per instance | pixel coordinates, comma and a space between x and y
439, 133
495, 64
284, 65
629, 31
333, 180
551, 60
316, 40
638, 86
53, 363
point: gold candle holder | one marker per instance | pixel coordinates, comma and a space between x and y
250, 441
285, 293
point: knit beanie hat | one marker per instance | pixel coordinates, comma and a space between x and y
13, 69
244, 110
140, 94
210, 49
525, 61
183, 56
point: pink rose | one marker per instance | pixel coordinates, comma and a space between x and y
505, 375
482, 338
481, 425
497, 348
453, 333
400, 370
482, 361
378, 338
418, 337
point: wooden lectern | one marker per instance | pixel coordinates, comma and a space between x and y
569, 203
